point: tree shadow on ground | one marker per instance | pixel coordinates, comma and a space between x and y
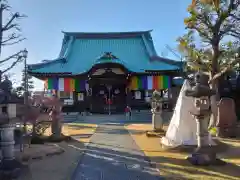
172, 163
114, 130
59, 167
107, 129
106, 163
182, 169
78, 126
132, 163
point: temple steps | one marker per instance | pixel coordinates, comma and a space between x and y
70, 117
137, 117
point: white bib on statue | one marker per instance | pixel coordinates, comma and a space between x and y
182, 128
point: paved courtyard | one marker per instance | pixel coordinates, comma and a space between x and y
112, 154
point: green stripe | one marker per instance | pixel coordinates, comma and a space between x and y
165, 82
77, 85
139, 83
50, 83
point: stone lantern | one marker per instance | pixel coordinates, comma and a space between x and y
201, 92
8, 114
156, 109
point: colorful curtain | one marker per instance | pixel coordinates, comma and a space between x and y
65, 84
149, 82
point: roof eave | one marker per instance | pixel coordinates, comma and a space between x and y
106, 34
167, 61
44, 64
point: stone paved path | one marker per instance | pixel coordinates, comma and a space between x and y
113, 155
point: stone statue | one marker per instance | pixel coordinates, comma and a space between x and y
201, 91
157, 121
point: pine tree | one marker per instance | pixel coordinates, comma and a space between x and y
20, 89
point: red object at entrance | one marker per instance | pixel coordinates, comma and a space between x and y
109, 101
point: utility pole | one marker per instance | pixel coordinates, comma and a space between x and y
1, 17
25, 53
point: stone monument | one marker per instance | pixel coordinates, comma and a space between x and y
227, 118
157, 121
201, 92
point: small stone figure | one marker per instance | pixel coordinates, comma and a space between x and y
204, 154
157, 121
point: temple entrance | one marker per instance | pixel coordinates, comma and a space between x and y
108, 98
108, 83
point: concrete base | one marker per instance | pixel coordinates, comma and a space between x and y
204, 157
157, 121
10, 169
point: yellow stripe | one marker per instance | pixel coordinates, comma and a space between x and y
45, 84
134, 83
72, 84
160, 82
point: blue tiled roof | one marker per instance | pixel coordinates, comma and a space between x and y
80, 51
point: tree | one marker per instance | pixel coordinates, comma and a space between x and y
212, 43
10, 34
30, 84
215, 3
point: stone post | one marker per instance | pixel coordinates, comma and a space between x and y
157, 121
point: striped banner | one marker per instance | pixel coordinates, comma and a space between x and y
149, 82
65, 84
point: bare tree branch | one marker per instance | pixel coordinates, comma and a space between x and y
9, 24
16, 55
19, 59
13, 38
15, 42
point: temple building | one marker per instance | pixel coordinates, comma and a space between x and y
105, 72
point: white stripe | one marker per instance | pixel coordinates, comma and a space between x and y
61, 84
149, 82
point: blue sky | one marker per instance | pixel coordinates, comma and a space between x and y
47, 18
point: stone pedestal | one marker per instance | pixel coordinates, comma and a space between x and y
7, 141
56, 128
204, 154
157, 121
9, 166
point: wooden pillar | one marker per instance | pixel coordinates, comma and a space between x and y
128, 97
88, 97
170, 102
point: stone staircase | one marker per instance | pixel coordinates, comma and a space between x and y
141, 117
104, 118
137, 117
70, 117
146, 117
